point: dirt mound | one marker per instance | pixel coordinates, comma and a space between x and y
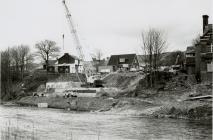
122, 80
37, 78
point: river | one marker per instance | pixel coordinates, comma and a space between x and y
31, 123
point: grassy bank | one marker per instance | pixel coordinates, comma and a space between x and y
195, 110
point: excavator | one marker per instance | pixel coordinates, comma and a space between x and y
175, 68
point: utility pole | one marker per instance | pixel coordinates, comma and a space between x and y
63, 40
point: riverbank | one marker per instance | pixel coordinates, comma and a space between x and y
193, 110
98, 104
74, 103
127, 94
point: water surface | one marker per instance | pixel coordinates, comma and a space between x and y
27, 123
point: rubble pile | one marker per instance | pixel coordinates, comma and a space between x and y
178, 83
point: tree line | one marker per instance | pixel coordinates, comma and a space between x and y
15, 62
18, 61
154, 45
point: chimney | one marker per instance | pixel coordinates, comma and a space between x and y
205, 21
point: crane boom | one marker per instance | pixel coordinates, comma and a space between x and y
75, 37
73, 32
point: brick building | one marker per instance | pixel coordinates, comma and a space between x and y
199, 58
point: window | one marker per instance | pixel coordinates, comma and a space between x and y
210, 67
190, 55
122, 60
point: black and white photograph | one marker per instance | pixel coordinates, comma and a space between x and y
106, 69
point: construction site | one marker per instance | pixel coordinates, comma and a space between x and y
106, 70
121, 86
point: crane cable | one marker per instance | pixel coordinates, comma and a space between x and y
76, 38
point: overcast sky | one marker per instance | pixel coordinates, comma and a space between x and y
114, 26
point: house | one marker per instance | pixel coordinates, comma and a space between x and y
199, 58
69, 64
65, 64
125, 62
103, 67
98, 64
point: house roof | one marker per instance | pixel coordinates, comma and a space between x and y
51, 62
114, 59
73, 56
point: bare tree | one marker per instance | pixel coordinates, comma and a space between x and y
21, 58
196, 40
13, 65
15, 59
5, 73
147, 38
154, 43
97, 56
160, 45
24, 56
47, 49
173, 58
29, 62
